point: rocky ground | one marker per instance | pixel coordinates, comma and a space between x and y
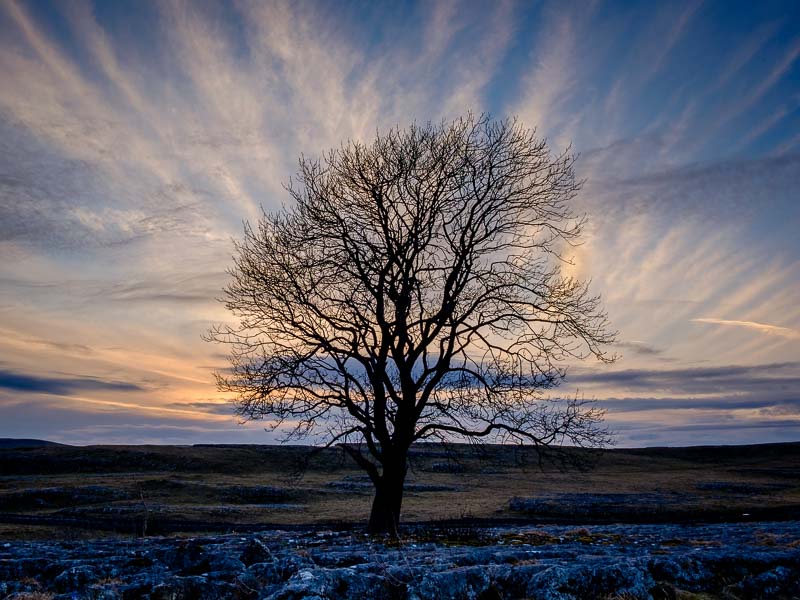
623, 562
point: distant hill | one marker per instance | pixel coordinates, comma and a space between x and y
11, 443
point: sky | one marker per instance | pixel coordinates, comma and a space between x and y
136, 139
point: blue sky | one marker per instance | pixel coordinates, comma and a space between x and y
135, 138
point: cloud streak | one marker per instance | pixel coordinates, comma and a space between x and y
697, 380
62, 386
784, 332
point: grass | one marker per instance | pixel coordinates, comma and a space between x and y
69, 492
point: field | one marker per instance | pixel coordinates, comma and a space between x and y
56, 492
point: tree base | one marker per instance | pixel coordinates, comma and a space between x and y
384, 519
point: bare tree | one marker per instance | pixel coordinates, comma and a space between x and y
413, 290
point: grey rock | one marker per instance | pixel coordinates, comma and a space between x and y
75, 578
597, 580
336, 584
254, 552
461, 583
780, 582
552, 563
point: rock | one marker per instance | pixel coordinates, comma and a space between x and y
337, 584
22, 568
662, 562
104, 592
591, 581
780, 582
454, 584
136, 591
195, 586
267, 573
224, 565
75, 578
254, 552
188, 557
513, 581
683, 572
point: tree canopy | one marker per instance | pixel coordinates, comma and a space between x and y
413, 290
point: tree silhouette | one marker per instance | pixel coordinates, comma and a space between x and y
413, 291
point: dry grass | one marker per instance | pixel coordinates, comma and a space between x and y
213, 486
110, 581
30, 582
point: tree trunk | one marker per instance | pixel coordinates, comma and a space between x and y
385, 515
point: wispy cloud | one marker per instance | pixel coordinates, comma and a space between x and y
773, 76
216, 408
638, 347
785, 332
553, 79
680, 22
